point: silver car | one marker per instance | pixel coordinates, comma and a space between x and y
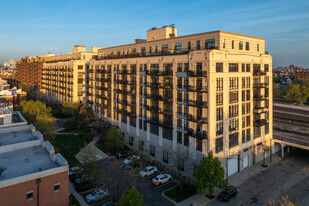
96, 195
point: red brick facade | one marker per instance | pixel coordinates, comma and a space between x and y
16, 195
15, 99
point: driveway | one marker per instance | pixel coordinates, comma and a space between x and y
288, 177
112, 173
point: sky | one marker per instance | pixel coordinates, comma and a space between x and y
36, 27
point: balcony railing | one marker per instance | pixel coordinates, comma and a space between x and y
199, 89
259, 110
197, 119
260, 122
260, 97
258, 73
197, 133
196, 103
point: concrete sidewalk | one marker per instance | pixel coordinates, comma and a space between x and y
99, 154
235, 180
79, 198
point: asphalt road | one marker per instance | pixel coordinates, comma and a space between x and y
112, 173
290, 177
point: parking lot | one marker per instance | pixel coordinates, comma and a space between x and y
116, 178
288, 177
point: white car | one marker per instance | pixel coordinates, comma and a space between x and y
161, 179
148, 171
130, 159
96, 195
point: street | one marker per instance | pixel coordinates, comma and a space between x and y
288, 177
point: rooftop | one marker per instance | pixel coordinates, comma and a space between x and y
14, 137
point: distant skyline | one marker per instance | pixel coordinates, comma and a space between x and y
32, 27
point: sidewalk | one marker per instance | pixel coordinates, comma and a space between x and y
79, 198
99, 154
235, 180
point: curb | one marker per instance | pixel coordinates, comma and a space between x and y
169, 199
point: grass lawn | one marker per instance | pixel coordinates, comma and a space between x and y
69, 145
177, 194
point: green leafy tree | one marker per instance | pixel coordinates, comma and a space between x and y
89, 162
24, 87
114, 139
293, 93
86, 112
67, 109
209, 174
131, 198
71, 124
276, 90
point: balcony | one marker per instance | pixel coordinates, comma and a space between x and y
260, 85
152, 96
197, 134
260, 122
259, 110
166, 98
197, 119
166, 73
258, 73
166, 85
142, 73
152, 108
166, 111
197, 73
260, 97
197, 103
199, 89
166, 124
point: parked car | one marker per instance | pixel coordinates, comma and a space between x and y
96, 195
148, 171
131, 158
74, 171
228, 193
123, 154
161, 179
81, 180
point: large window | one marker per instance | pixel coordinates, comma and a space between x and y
179, 137
165, 156
233, 67
198, 45
210, 44
233, 140
233, 97
247, 46
257, 132
57, 187
219, 113
152, 150
219, 144
247, 67
131, 140
219, 84
178, 47
240, 45
168, 133
219, 128
219, 98
154, 129
233, 124
219, 67
232, 44
233, 83
186, 140
233, 111
189, 45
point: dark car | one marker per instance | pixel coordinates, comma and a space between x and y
81, 180
123, 154
227, 194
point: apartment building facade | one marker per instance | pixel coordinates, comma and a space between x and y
177, 98
29, 70
31, 173
63, 75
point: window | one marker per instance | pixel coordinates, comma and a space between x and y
223, 43
154, 129
219, 67
248, 121
198, 45
168, 133
156, 49
141, 145
179, 123
233, 67
178, 47
257, 132
152, 150
233, 111
189, 45
240, 45
258, 47
219, 128
57, 187
248, 95
219, 113
243, 136
232, 44
243, 67
199, 145
219, 84
267, 128
219, 144
140, 121
219, 98
233, 124
233, 97
243, 125
248, 82
248, 135
80, 67
179, 137
247, 46
247, 67
179, 67
131, 140
248, 108
209, 43
165, 156
29, 195
233, 140
186, 140
243, 109
150, 50
233, 83
266, 67
243, 82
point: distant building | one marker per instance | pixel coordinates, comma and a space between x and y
301, 74
31, 173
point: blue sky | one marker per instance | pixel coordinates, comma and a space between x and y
33, 27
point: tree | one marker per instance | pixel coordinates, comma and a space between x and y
284, 201
71, 124
131, 198
114, 139
209, 174
89, 162
293, 93
24, 87
86, 112
276, 91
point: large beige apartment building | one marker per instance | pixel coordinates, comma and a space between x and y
63, 75
177, 98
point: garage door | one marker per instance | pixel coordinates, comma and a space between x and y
246, 161
232, 165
